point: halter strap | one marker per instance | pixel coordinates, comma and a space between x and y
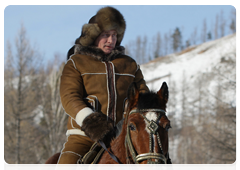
146, 156
153, 127
146, 110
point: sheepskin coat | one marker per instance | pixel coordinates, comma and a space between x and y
94, 82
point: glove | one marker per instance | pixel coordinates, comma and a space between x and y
97, 126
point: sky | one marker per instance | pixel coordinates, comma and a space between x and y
54, 28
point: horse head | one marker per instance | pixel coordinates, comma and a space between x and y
147, 126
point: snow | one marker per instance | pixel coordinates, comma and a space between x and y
201, 68
199, 72
190, 63
38, 112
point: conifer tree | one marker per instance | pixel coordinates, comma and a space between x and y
177, 40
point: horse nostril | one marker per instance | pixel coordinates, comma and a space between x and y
168, 127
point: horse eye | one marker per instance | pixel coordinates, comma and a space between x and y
132, 127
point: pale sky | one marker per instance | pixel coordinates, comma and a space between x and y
54, 28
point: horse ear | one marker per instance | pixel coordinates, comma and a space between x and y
163, 92
133, 94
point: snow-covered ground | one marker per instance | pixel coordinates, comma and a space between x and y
199, 67
196, 75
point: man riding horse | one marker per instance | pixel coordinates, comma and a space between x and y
94, 84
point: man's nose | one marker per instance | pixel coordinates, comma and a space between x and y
110, 39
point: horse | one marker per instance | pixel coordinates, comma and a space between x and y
143, 136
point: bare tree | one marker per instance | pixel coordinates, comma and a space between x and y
20, 95
158, 45
216, 34
138, 49
34, 121
232, 25
207, 133
149, 51
54, 119
194, 38
222, 24
221, 135
204, 31
144, 49
129, 48
165, 44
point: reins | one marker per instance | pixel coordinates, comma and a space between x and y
110, 153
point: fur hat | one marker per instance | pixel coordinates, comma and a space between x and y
107, 18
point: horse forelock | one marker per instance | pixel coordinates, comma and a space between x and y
150, 100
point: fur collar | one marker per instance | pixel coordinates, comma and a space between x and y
97, 53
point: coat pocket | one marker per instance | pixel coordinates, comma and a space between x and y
92, 102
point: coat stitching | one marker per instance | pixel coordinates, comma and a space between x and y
114, 87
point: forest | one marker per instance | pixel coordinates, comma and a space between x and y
35, 122
144, 49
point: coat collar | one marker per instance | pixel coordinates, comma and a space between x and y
97, 53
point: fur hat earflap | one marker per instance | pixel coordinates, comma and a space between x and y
89, 34
97, 126
107, 18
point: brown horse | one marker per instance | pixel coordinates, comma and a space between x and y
144, 134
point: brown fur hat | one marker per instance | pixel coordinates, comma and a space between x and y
107, 18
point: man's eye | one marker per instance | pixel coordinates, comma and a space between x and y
103, 35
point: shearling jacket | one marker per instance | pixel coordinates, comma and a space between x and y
92, 81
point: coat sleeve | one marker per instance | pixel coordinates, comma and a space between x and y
141, 84
71, 93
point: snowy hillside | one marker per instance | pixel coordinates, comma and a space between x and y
199, 78
201, 67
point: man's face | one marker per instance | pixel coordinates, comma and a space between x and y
107, 41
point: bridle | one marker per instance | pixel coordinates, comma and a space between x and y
153, 127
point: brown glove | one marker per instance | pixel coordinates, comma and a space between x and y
97, 126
